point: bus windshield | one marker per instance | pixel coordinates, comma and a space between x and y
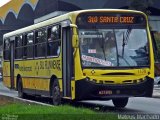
114, 47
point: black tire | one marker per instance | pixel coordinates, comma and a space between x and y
120, 102
56, 95
20, 89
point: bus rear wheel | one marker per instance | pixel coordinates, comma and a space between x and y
120, 102
56, 96
20, 89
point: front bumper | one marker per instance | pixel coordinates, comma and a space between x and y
87, 90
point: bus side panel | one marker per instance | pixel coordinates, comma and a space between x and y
36, 74
6, 74
44, 70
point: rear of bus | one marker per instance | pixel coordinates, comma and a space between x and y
115, 58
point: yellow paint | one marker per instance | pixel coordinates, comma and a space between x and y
6, 82
73, 89
15, 82
118, 79
15, 6
6, 69
151, 53
36, 74
42, 84
33, 1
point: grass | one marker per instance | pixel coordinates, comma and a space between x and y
38, 112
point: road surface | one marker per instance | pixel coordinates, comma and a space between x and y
6, 91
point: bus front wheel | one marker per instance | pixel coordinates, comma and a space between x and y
56, 97
120, 102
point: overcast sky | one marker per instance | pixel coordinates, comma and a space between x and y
2, 2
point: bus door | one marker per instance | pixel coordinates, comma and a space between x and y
12, 62
67, 61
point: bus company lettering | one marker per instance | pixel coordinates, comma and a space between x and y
111, 19
52, 64
24, 68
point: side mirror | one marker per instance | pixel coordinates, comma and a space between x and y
75, 41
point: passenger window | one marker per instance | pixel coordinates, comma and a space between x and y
7, 44
40, 46
18, 47
29, 45
6, 49
54, 41
18, 41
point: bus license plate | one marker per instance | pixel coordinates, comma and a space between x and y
105, 92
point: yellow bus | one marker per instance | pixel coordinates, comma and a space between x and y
101, 54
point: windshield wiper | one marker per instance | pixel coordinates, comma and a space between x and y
125, 40
123, 45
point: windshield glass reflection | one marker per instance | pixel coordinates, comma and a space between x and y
114, 47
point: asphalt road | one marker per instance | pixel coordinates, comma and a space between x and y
135, 105
6, 91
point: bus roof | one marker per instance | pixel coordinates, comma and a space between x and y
61, 18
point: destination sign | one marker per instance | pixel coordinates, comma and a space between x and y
110, 19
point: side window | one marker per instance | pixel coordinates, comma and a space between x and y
29, 45
18, 47
40, 43
6, 49
54, 41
